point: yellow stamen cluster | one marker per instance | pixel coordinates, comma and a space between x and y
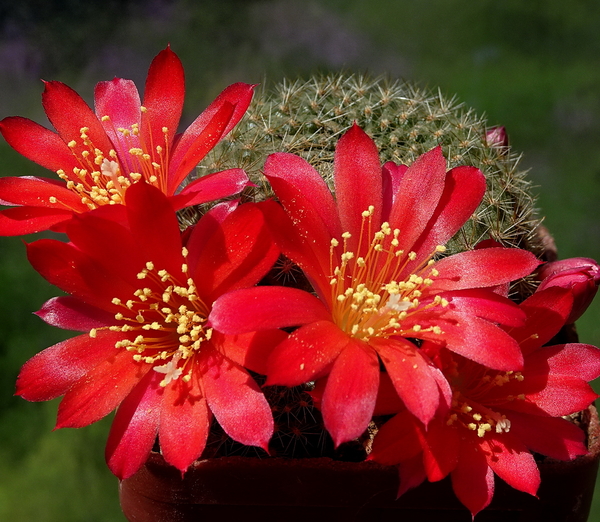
368, 299
476, 417
102, 177
164, 322
471, 414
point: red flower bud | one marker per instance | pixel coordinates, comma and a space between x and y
496, 136
580, 274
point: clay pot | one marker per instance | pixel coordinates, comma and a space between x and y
321, 489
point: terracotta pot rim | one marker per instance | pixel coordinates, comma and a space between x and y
325, 489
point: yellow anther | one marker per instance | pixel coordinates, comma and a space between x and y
483, 428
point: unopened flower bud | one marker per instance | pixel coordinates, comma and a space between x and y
496, 137
580, 274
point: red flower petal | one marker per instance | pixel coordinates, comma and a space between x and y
547, 312
556, 395
473, 480
388, 402
27, 220
440, 455
68, 113
71, 313
184, 421
312, 259
412, 474
409, 371
120, 101
250, 350
196, 237
236, 400
238, 94
264, 308
39, 192
349, 397
100, 390
485, 305
38, 144
134, 428
163, 99
154, 227
358, 181
391, 175
554, 437
483, 268
309, 204
238, 255
399, 439
207, 129
511, 461
574, 360
210, 188
52, 372
464, 188
99, 239
418, 196
307, 354
74, 272
476, 339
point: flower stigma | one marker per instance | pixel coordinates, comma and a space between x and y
371, 297
164, 323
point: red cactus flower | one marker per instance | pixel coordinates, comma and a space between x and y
372, 259
98, 155
580, 274
497, 418
144, 298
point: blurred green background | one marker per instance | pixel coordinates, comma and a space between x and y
530, 66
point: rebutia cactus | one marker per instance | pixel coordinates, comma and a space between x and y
308, 117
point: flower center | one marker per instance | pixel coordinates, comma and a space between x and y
102, 179
468, 410
164, 323
371, 293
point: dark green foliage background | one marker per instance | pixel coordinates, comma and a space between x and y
531, 66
